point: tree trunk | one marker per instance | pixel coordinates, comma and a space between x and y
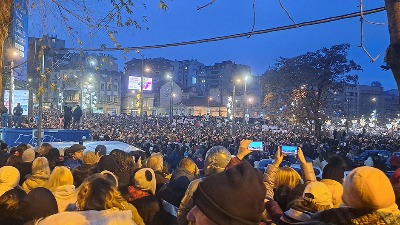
393, 53
5, 21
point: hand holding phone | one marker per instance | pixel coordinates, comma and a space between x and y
289, 150
256, 146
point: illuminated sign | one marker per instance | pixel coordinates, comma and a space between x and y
134, 83
19, 96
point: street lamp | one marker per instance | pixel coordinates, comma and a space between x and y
12, 86
208, 104
245, 112
374, 99
141, 93
171, 100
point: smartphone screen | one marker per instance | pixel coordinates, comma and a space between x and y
256, 146
289, 150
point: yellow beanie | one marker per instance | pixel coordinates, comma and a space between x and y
368, 188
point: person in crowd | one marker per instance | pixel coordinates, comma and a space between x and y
77, 114
39, 176
4, 116
88, 167
99, 202
315, 197
155, 162
173, 192
369, 162
320, 162
39, 203
61, 184
368, 198
240, 202
287, 186
332, 177
394, 162
44, 149
125, 167
54, 158
25, 167
9, 178
67, 116
17, 112
75, 153
3, 153
108, 163
142, 196
217, 158
100, 151
10, 204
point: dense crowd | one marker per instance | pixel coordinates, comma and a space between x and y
196, 170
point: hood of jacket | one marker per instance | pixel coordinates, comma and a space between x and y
336, 189
34, 181
64, 192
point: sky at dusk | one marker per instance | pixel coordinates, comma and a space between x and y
183, 22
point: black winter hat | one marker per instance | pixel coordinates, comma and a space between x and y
334, 170
107, 162
233, 197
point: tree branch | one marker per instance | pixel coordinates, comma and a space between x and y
287, 12
206, 5
254, 18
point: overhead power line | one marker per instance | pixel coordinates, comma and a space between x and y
232, 36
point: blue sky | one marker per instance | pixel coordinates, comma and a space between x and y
183, 22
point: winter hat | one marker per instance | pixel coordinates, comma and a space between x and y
145, 180
39, 203
368, 188
217, 158
232, 197
89, 158
9, 178
334, 170
395, 179
28, 155
101, 149
75, 148
155, 162
318, 193
107, 162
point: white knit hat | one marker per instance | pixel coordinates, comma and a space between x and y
28, 155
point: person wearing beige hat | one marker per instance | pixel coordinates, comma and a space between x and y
88, 167
368, 198
25, 167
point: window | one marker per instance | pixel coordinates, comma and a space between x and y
115, 98
108, 98
102, 86
115, 87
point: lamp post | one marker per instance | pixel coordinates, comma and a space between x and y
233, 109
171, 100
376, 113
245, 111
208, 105
11, 91
141, 94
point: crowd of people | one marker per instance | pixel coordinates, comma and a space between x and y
196, 170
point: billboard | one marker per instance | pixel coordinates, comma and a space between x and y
19, 96
134, 83
20, 38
